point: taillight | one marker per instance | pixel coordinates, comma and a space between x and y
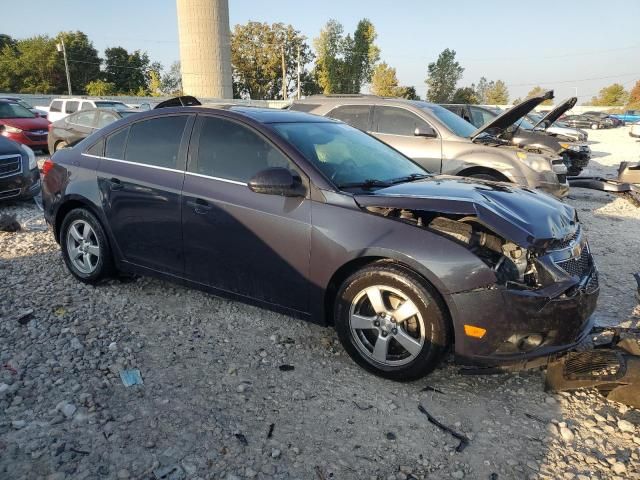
47, 166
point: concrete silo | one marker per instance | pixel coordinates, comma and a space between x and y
205, 48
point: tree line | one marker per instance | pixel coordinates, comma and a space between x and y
269, 61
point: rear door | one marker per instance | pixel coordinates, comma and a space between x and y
80, 125
358, 116
396, 126
250, 244
140, 179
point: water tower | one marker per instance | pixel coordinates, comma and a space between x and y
205, 48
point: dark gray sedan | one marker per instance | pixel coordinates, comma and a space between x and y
312, 217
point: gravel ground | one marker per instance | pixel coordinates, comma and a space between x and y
216, 404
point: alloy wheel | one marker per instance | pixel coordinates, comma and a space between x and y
83, 247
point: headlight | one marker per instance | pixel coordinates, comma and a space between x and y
569, 146
10, 129
539, 163
32, 157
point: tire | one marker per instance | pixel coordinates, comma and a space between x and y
594, 126
59, 145
92, 245
485, 176
425, 333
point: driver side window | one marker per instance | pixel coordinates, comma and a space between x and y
398, 121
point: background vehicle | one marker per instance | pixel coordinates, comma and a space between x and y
629, 116
608, 120
19, 174
440, 141
27, 105
399, 261
560, 130
79, 125
20, 125
61, 107
512, 125
585, 121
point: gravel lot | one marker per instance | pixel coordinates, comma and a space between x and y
215, 403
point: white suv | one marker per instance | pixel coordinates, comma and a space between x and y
61, 107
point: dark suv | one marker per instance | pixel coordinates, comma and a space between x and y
312, 217
19, 175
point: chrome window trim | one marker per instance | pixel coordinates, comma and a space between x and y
132, 163
220, 179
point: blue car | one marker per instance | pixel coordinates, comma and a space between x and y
630, 116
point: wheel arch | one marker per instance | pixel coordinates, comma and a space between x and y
71, 204
482, 170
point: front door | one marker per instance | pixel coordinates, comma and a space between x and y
250, 244
396, 126
140, 179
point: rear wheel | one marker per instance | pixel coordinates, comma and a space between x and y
85, 248
60, 145
391, 322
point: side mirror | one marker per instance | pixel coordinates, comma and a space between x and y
426, 132
277, 181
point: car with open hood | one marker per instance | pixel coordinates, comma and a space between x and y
551, 125
312, 217
441, 141
512, 126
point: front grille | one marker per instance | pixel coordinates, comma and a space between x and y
566, 242
36, 135
10, 165
593, 283
9, 193
579, 266
605, 365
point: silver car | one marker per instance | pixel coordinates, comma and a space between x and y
441, 141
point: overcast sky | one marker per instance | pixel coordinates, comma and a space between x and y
564, 45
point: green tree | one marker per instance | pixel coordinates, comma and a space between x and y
407, 92
83, 59
171, 83
634, 96
465, 95
155, 83
481, 90
100, 88
614, 95
497, 93
31, 65
384, 81
329, 67
443, 75
360, 56
6, 41
127, 71
535, 91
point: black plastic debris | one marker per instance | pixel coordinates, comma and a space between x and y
391, 436
270, 432
429, 388
286, 368
171, 472
464, 440
24, 316
242, 439
8, 223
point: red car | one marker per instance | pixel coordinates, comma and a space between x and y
21, 125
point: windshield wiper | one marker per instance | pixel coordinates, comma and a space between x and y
409, 178
365, 184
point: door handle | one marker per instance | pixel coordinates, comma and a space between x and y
116, 184
199, 206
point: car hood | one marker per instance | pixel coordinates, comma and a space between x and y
8, 147
511, 116
550, 118
527, 217
26, 123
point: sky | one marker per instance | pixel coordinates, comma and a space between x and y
569, 46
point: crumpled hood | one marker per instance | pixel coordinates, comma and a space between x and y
527, 217
556, 113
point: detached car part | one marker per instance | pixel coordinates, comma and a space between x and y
629, 172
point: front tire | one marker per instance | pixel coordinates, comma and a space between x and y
594, 126
85, 247
391, 322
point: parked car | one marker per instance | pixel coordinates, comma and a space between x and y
402, 263
440, 141
61, 107
19, 175
20, 125
27, 105
609, 120
635, 130
558, 129
584, 121
630, 116
73, 128
523, 134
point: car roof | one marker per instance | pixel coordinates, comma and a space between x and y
257, 114
356, 98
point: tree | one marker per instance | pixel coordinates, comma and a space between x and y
83, 59
443, 75
614, 96
100, 88
497, 93
344, 64
536, 91
634, 96
127, 71
31, 65
155, 83
171, 83
6, 41
481, 90
384, 81
465, 95
407, 92
257, 51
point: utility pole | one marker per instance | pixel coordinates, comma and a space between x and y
61, 48
298, 72
284, 75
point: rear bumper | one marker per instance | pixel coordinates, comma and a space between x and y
523, 324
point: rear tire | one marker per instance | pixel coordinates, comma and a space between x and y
391, 322
85, 247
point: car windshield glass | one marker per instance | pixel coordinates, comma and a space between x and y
24, 104
524, 123
534, 117
13, 110
112, 105
453, 122
349, 157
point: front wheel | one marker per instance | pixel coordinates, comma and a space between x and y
391, 322
594, 126
85, 248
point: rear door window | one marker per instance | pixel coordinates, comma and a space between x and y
355, 115
397, 121
232, 151
96, 148
71, 107
115, 144
156, 141
105, 118
56, 106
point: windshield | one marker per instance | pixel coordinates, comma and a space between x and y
524, 123
348, 156
13, 110
453, 122
112, 105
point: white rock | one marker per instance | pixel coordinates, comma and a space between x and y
618, 468
458, 474
18, 424
626, 426
566, 434
113, 346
